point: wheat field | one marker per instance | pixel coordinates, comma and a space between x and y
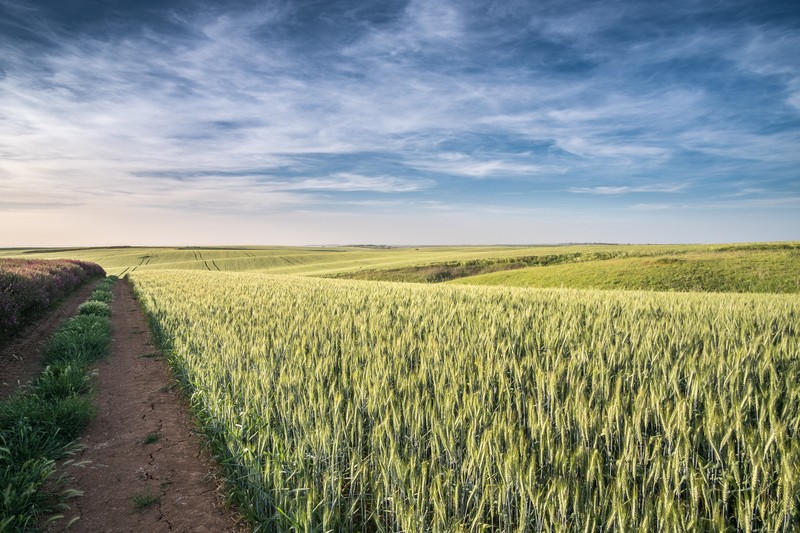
340, 405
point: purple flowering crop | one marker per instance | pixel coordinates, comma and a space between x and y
30, 285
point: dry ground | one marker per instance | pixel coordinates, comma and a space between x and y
141, 445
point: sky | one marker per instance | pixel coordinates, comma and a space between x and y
161, 122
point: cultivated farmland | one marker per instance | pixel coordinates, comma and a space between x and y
30, 286
738, 269
757, 267
365, 406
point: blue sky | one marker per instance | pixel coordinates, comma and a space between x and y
414, 122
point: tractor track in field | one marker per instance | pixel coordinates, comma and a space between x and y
136, 404
20, 357
204, 261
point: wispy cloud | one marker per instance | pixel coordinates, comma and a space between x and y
508, 165
353, 182
627, 189
788, 202
286, 107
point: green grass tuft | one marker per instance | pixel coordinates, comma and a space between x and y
94, 307
101, 295
35, 425
142, 502
62, 380
83, 338
22, 504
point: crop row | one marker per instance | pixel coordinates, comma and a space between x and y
30, 285
351, 406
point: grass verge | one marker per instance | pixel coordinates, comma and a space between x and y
41, 423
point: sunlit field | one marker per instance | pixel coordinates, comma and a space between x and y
593, 387
363, 406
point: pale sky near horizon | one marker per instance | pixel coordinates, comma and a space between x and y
398, 122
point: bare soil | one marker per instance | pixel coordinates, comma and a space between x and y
146, 471
20, 357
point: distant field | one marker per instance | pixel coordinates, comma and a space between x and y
312, 261
725, 271
765, 267
760, 267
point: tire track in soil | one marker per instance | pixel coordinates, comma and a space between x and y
200, 254
135, 398
20, 357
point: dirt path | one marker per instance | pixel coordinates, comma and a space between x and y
20, 357
135, 401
